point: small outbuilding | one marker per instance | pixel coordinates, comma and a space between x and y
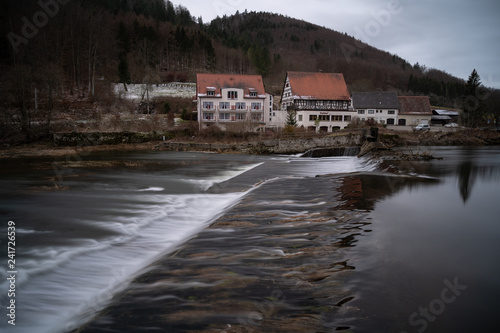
444, 116
414, 110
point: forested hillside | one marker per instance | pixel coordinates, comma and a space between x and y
58, 55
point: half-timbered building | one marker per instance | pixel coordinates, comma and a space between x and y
319, 101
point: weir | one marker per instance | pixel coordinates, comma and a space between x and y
334, 151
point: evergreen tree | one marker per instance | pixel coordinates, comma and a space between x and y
261, 59
291, 118
123, 71
123, 38
472, 105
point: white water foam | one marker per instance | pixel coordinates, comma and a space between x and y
152, 189
62, 287
67, 286
205, 184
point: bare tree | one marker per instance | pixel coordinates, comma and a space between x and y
49, 80
150, 78
18, 87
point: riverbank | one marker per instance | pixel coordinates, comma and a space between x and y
261, 145
48, 149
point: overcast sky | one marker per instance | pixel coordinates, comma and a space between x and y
452, 35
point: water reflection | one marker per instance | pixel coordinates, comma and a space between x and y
469, 171
424, 235
363, 191
467, 166
466, 179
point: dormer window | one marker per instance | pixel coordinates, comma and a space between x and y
253, 92
210, 91
232, 94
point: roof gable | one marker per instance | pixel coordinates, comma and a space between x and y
446, 112
414, 105
375, 100
217, 82
318, 86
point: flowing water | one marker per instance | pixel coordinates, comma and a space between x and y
259, 240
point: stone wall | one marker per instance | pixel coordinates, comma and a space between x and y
275, 146
106, 138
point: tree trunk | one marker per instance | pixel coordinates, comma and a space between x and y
147, 97
36, 101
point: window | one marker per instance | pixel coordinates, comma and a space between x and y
232, 94
224, 105
240, 116
313, 117
224, 116
391, 112
210, 93
347, 118
208, 105
300, 117
240, 106
253, 94
371, 111
336, 118
361, 111
324, 117
257, 117
256, 106
208, 116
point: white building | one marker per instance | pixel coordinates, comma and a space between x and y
237, 102
320, 100
414, 110
382, 107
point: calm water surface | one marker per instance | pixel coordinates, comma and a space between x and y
427, 261
432, 261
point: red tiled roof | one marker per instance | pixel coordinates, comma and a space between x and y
220, 81
318, 86
417, 105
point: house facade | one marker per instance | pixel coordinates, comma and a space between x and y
382, 107
319, 101
414, 110
230, 101
275, 119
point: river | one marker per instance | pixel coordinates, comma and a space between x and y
177, 242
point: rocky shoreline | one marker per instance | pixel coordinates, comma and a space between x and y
288, 145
